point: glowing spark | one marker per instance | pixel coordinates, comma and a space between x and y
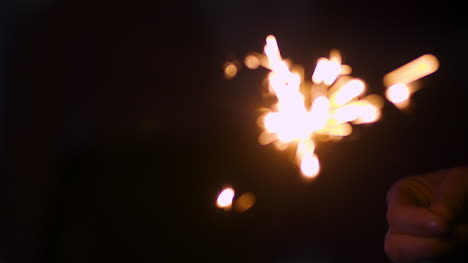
225, 198
266, 138
252, 61
304, 147
310, 166
367, 113
398, 93
345, 70
244, 202
412, 71
230, 70
349, 91
326, 71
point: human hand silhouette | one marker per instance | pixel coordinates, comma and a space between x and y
427, 216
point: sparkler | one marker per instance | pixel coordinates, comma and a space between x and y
304, 109
325, 106
322, 108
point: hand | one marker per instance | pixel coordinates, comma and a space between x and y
427, 216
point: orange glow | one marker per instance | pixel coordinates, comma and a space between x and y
252, 62
244, 202
305, 146
266, 138
225, 198
398, 93
230, 71
342, 129
412, 71
280, 145
345, 70
398, 90
375, 100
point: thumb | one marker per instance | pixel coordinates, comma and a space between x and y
450, 198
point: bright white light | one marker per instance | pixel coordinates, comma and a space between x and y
225, 198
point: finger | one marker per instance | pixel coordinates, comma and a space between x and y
405, 215
412, 190
450, 197
414, 220
403, 248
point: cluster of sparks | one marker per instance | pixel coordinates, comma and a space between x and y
325, 106
334, 102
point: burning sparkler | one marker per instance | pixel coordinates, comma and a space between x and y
327, 105
323, 107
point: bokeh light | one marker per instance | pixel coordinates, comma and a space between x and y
225, 198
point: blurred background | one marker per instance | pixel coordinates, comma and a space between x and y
118, 128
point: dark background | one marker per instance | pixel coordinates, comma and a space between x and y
118, 129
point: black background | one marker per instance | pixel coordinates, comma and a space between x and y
119, 129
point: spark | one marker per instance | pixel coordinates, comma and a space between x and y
398, 93
252, 61
310, 165
412, 71
397, 82
225, 198
230, 70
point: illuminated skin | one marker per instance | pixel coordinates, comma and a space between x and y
427, 215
